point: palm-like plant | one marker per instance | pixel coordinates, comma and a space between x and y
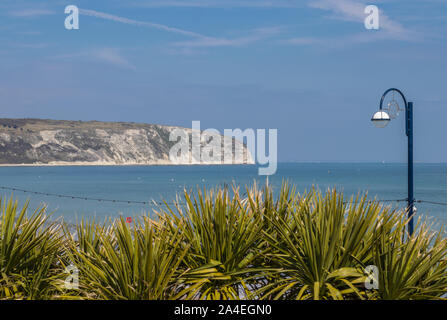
121, 262
223, 235
227, 246
29, 247
411, 268
321, 246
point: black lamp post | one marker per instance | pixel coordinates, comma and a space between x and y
381, 120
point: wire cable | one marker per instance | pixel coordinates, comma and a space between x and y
153, 202
432, 202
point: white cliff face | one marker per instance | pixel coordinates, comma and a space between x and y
40, 142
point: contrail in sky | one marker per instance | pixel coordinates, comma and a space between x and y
102, 15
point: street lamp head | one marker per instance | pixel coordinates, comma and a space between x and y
380, 119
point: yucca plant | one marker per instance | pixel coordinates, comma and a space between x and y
29, 247
322, 245
219, 244
223, 234
410, 267
124, 262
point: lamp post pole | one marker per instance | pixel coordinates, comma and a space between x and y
382, 119
409, 127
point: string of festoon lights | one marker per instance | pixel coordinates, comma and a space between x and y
156, 203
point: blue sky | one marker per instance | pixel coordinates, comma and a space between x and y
307, 68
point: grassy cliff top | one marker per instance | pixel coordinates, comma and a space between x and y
48, 124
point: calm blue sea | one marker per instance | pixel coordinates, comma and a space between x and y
140, 183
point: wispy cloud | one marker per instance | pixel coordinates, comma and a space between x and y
253, 36
351, 10
29, 33
220, 3
31, 13
158, 26
110, 56
304, 41
198, 40
338, 41
346, 10
32, 45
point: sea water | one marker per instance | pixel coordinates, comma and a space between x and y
158, 183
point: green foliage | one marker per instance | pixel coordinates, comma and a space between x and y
321, 246
220, 244
29, 247
120, 262
412, 269
223, 234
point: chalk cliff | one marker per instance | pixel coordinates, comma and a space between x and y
57, 142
